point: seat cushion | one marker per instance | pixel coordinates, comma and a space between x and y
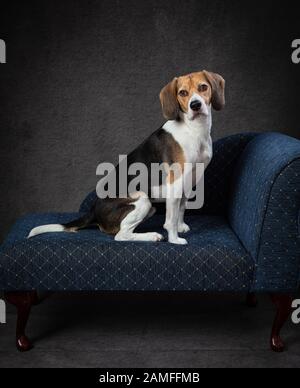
214, 259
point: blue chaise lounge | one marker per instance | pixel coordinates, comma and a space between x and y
245, 240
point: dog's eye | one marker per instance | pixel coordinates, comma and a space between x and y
203, 88
183, 93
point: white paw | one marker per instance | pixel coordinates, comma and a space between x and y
183, 228
156, 237
179, 241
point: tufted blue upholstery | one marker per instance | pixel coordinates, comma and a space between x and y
245, 238
90, 260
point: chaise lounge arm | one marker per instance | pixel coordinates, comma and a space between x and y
264, 210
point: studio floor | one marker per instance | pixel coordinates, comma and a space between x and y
149, 331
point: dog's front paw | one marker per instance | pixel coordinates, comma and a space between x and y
183, 228
179, 241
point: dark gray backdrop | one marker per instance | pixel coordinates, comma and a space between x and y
82, 80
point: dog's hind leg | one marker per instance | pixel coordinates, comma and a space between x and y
142, 210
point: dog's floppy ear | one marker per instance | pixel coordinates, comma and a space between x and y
217, 84
169, 102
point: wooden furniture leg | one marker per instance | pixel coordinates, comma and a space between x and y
23, 302
283, 305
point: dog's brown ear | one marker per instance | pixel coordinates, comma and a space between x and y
217, 84
169, 102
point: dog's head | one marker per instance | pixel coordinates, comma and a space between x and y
193, 94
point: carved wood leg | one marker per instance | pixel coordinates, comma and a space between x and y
23, 302
251, 300
283, 305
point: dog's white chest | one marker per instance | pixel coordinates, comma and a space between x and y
195, 142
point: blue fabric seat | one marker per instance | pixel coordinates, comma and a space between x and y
246, 237
214, 260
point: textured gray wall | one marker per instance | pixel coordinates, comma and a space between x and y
82, 80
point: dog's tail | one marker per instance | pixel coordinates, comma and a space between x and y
81, 223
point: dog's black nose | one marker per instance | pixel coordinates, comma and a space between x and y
196, 105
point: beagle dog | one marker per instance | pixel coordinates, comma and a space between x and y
186, 102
